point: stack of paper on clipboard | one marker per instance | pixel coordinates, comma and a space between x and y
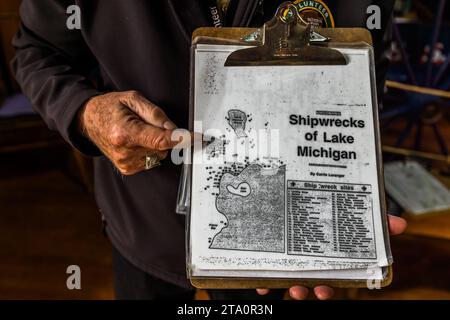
289, 186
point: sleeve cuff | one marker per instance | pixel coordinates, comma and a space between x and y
69, 126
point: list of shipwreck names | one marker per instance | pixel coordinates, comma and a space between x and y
330, 220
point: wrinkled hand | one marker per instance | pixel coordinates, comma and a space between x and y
126, 127
396, 226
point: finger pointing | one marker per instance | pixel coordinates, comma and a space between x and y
147, 111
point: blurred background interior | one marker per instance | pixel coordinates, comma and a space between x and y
49, 220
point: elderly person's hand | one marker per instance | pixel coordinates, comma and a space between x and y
128, 129
396, 226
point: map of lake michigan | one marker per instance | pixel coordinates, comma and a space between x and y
253, 203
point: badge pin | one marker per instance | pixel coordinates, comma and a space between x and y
316, 13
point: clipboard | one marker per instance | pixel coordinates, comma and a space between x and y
284, 41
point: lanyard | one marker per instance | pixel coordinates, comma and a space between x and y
221, 12
215, 14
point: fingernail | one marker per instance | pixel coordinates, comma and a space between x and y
169, 125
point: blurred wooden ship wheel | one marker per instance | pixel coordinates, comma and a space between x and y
419, 89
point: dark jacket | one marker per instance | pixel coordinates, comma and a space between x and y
134, 45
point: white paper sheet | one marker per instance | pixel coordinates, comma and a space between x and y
289, 182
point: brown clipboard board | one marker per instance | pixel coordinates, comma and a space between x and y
337, 37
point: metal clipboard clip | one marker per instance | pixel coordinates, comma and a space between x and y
287, 40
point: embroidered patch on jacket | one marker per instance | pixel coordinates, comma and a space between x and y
315, 12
